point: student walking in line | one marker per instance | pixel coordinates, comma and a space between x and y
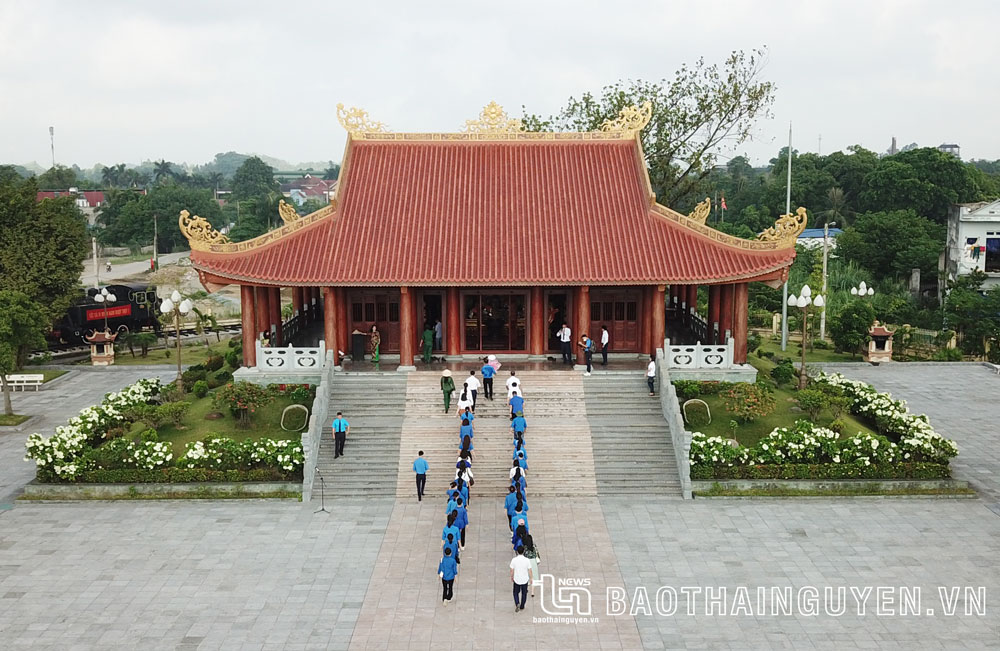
513, 382
450, 527
651, 374
447, 388
452, 544
520, 454
462, 521
520, 576
465, 413
447, 570
467, 448
605, 338
519, 426
464, 401
427, 338
473, 383
341, 428
509, 502
588, 352
565, 339
488, 372
464, 475
516, 403
420, 467
531, 553
520, 518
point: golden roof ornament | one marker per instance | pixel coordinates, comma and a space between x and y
630, 118
701, 211
199, 232
356, 120
287, 212
787, 229
493, 119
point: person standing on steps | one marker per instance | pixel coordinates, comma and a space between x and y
518, 425
512, 383
427, 337
605, 339
464, 401
565, 339
588, 352
651, 374
341, 428
447, 388
488, 372
473, 383
447, 570
520, 576
516, 403
420, 467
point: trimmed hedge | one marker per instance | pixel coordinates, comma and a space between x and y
918, 470
183, 475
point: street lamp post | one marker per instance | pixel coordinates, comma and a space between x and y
104, 297
826, 249
804, 301
178, 308
862, 290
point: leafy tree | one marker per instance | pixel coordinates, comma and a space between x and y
22, 327
849, 329
131, 222
973, 313
59, 177
42, 246
162, 169
838, 210
890, 244
699, 112
253, 179
332, 172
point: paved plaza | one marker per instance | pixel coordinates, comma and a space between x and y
274, 575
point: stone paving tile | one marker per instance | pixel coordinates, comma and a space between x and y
797, 543
403, 605
173, 575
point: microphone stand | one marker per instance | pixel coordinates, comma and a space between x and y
322, 494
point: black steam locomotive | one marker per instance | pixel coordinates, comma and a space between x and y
136, 307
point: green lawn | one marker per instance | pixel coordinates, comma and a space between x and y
795, 354
194, 427
10, 421
51, 375
783, 415
192, 352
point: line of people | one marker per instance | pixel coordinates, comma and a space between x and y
524, 564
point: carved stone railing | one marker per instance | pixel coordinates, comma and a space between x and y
699, 355
680, 438
312, 436
283, 360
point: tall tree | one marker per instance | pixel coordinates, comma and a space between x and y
703, 110
973, 313
162, 170
59, 177
22, 328
253, 179
890, 244
130, 222
837, 210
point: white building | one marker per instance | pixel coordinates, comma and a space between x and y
974, 241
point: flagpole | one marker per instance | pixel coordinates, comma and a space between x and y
788, 211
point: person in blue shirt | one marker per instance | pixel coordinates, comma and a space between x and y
516, 403
453, 491
463, 490
465, 429
518, 481
519, 424
447, 570
516, 504
519, 535
488, 372
509, 501
452, 504
462, 521
466, 414
452, 544
450, 527
420, 467
521, 457
519, 518
341, 428
466, 444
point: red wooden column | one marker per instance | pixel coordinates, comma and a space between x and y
296, 301
692, 299
725, 312
275, 307
330, 321
405, 327
536, 338
453, 324
582, 320
645, 319
343, 334
249, 326
263, 311
659, 324
713, 312
741, 317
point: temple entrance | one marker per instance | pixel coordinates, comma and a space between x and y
380, 309
432, 312
557, 311
495, 321
619, 310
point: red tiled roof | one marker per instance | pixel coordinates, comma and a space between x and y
494, 213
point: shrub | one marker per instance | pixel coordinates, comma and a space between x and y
812, 402
147, 453
687, 389
711, 387
215, 452
838, 425
149, 414
838, 405
803, 443
823, 471
784, 372
243, 399
753, 342
200, 388
196, 367
760, 353
184, 475
214, 363
301, 394
173, 412
217, 380
948, 355
867, 449
191, 376
748, 402
236, 342
715, 450
821, 344
234, 358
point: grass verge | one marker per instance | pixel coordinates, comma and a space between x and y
11, 421
201, 494
845, 491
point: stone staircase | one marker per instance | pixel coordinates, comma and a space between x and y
373, 404
560, 455
632, 450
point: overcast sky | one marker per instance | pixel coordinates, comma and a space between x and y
131, 81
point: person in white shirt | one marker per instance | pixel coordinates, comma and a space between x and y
513, 388
565, 339
651, 374
473, 383
465, 398
520, 576
513, 379
605, 338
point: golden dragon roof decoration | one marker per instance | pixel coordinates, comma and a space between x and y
701, 211
287, 212
493, 119
787, 229
630, 118
356, 120
199, 232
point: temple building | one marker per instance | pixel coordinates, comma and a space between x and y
503, 235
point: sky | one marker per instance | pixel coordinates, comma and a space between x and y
183, 80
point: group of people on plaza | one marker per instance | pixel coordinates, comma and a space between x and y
589, 346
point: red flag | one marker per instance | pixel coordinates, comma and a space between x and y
724, 202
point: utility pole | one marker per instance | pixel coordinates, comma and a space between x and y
97, 266
156, 248
826, 248
788, 211
52, 143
